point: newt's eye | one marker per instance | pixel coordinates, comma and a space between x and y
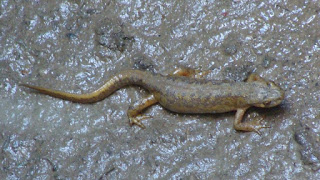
267, 103
269, 84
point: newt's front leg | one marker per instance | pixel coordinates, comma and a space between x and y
253, 125
246, 126
134, 111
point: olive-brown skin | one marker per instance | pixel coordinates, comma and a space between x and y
182, 94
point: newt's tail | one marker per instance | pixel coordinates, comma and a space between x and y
125, 78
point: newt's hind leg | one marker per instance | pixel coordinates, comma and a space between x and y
134, 111
188, 72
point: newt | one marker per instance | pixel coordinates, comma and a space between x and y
185, 92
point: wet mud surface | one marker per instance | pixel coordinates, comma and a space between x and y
75, 46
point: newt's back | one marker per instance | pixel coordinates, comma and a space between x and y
185, 95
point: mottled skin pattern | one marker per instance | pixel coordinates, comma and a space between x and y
185, 92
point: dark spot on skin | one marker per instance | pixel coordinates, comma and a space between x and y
194, 99
208, 96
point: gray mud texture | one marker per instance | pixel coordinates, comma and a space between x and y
75, 46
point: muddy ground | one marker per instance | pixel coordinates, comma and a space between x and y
76, 46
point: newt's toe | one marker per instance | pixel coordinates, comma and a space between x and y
137, 121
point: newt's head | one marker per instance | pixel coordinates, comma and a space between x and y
265, 93
269, 94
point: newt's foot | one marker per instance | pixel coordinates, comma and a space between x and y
137, 121
253, 126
